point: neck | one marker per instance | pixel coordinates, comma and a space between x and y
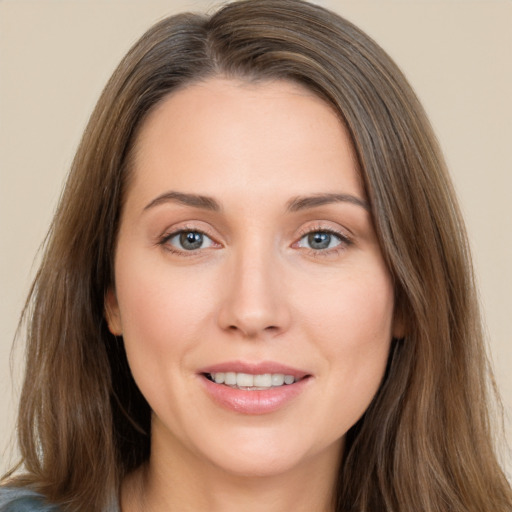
172, 482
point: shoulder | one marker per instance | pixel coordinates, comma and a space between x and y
23, 500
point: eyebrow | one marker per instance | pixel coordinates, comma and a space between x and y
294, 205
305, 202
194, 200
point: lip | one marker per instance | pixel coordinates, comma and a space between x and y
254, 402
255, 368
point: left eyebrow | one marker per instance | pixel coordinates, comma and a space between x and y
304, 202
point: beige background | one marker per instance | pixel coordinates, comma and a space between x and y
55, 56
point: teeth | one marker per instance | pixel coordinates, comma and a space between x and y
230, 378
288, 379
263, 381
246, 380
219, 378
277, 379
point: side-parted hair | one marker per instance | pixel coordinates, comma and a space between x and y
425, 444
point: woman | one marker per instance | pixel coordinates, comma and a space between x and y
257, 290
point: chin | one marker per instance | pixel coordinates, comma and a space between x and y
269, 466
270, 456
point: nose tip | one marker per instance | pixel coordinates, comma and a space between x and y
254, 303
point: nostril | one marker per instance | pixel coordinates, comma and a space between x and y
270, 329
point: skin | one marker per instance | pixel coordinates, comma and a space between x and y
256, 290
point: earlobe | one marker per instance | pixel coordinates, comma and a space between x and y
112, 314
399, 328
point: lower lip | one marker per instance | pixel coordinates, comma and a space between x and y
254, 401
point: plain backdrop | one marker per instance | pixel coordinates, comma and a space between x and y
56, 55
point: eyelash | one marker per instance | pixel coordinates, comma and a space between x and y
344, 241
165, 238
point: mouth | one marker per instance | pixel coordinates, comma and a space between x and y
254, 388
251, 382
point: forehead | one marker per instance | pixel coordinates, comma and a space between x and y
223, 132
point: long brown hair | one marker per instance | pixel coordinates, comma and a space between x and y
425, 443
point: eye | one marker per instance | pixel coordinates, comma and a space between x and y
321, 240
188, 240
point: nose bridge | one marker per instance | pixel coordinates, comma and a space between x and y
254, 302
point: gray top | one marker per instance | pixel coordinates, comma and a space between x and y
25, 500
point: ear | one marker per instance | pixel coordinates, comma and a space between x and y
398, 327
112, 313
399, 323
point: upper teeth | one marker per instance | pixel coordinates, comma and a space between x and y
246, 380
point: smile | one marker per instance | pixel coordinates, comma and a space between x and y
254, 388
250, 382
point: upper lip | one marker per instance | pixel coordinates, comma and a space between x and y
255, 368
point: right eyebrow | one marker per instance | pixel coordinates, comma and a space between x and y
194, 200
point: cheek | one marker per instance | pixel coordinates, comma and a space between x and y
355, 308
161, 311
163, 315
351, 321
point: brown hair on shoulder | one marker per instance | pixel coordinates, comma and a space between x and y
425, 443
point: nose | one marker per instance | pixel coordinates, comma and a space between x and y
254, 303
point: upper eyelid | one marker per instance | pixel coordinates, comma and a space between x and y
169, 235
341, 232
180, 228
173, 234
343, 239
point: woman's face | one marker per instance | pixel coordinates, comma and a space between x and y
247, 257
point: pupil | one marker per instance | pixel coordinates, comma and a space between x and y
191, 240
319, 240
